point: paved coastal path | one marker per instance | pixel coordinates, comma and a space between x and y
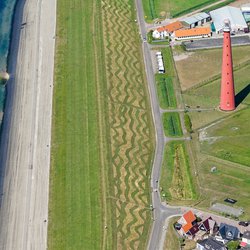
25, 142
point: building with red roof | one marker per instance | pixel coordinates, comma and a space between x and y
189, 224
167, 30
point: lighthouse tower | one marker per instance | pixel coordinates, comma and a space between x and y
227, 95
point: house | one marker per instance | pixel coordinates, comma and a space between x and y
196, 20
192, 33
208, 226
210, 244
227, 233
164, 31
189, 224
235, 16
245, 239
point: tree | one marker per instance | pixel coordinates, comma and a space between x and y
233, 245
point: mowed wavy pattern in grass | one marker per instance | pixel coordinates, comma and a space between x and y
130, 125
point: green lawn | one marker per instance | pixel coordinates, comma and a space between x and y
168, 61
76, 209
165, 90
208, 95
202, 66
161, 8
229, 180
102, 143
229, 139
176, 177
172, 124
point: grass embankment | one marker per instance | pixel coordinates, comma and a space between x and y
176, 178
102, 130
172, 241
172, 124
170, 8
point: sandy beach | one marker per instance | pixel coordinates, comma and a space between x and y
26, 131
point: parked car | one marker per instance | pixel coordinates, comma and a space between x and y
243, 223
177, 226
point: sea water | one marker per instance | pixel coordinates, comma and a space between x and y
6, 14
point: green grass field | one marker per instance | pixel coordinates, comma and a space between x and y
230, 138
165, 90
208, 95
229, 180
172, 124
176, 178
201, 66
220, 139
102, 145
161, 8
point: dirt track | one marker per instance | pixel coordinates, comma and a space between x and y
25, 143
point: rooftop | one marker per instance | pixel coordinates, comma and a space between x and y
195, 18
171, 27
189, 217
233, 14
210, 243
193, 32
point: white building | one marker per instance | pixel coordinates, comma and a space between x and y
245, 9
235, 16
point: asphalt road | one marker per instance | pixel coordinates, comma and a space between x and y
26, 132
160, 212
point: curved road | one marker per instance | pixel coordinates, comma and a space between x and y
160, 211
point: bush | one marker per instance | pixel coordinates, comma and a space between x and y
233, 245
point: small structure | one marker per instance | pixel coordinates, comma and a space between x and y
195, 33
196, 20
210, 244
166, 30
245, 239
213, 169
227, 233
235, 16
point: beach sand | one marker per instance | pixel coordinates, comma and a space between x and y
26, 130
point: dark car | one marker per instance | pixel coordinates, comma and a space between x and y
243, 223
177, 226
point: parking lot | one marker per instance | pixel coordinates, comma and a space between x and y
215, 42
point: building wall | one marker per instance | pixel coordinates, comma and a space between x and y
192, 37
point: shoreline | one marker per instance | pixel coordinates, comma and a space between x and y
26, 127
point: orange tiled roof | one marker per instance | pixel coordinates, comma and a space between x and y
193, 32
189, 217
187, 227
171, 27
